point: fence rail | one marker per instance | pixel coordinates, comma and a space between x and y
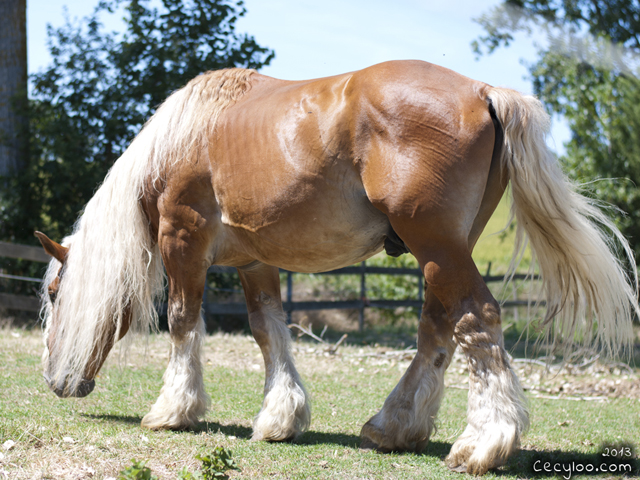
32, 303
25, 252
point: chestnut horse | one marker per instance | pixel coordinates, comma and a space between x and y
244, 170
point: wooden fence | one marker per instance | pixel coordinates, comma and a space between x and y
35, 254
32, 303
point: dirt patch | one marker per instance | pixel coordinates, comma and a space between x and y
590, 380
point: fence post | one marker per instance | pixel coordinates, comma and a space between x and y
204, 294
363, 295
420, 293
289, 296
514, 291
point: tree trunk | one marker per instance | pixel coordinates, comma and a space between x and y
13, 85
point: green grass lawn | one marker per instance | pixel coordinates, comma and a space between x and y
98, 436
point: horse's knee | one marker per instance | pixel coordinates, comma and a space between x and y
260, 320
182, 319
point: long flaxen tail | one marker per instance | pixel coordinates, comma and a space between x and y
590, 293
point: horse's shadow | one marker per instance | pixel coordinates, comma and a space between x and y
129, 419
235, 430
524, 464
230, 430
312, 437
308, 438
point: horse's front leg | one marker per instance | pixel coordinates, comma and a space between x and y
285, 412
182, 398
408, 415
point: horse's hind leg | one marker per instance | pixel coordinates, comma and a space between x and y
496, 411
285, 410
408, 415
183, 398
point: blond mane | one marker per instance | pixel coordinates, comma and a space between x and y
113, 261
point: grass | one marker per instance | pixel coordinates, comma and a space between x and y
98, 436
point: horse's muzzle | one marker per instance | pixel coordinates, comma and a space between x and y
60, 388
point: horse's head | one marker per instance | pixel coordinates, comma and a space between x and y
74, 353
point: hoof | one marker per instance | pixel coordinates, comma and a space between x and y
476, 454
277, 436
149, 425
285, 412
473, 468
278, 428
152, 421
368, 446
460, 468
374, 438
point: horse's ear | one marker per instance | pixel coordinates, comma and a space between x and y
52, 248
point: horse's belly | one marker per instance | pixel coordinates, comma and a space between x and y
330, 254
314, 240
322, 257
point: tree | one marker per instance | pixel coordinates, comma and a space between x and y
100, 89
588, 73
13, 85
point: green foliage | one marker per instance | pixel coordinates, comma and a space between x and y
216, 463
185, 474
100, 89
595, 92
378, 286
137, 471
394, 287
617, 20
214, 466
603, 110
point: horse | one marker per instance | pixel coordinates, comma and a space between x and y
243, 170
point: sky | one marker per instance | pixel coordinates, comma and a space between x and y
314, 38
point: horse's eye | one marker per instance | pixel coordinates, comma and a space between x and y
52, 296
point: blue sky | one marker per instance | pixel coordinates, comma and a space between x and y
314, 38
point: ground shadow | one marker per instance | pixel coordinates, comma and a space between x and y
433, 449
239, 431
558, 463
323, 438
437, 449
134, 420
307, 438
232, 430
524, 464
